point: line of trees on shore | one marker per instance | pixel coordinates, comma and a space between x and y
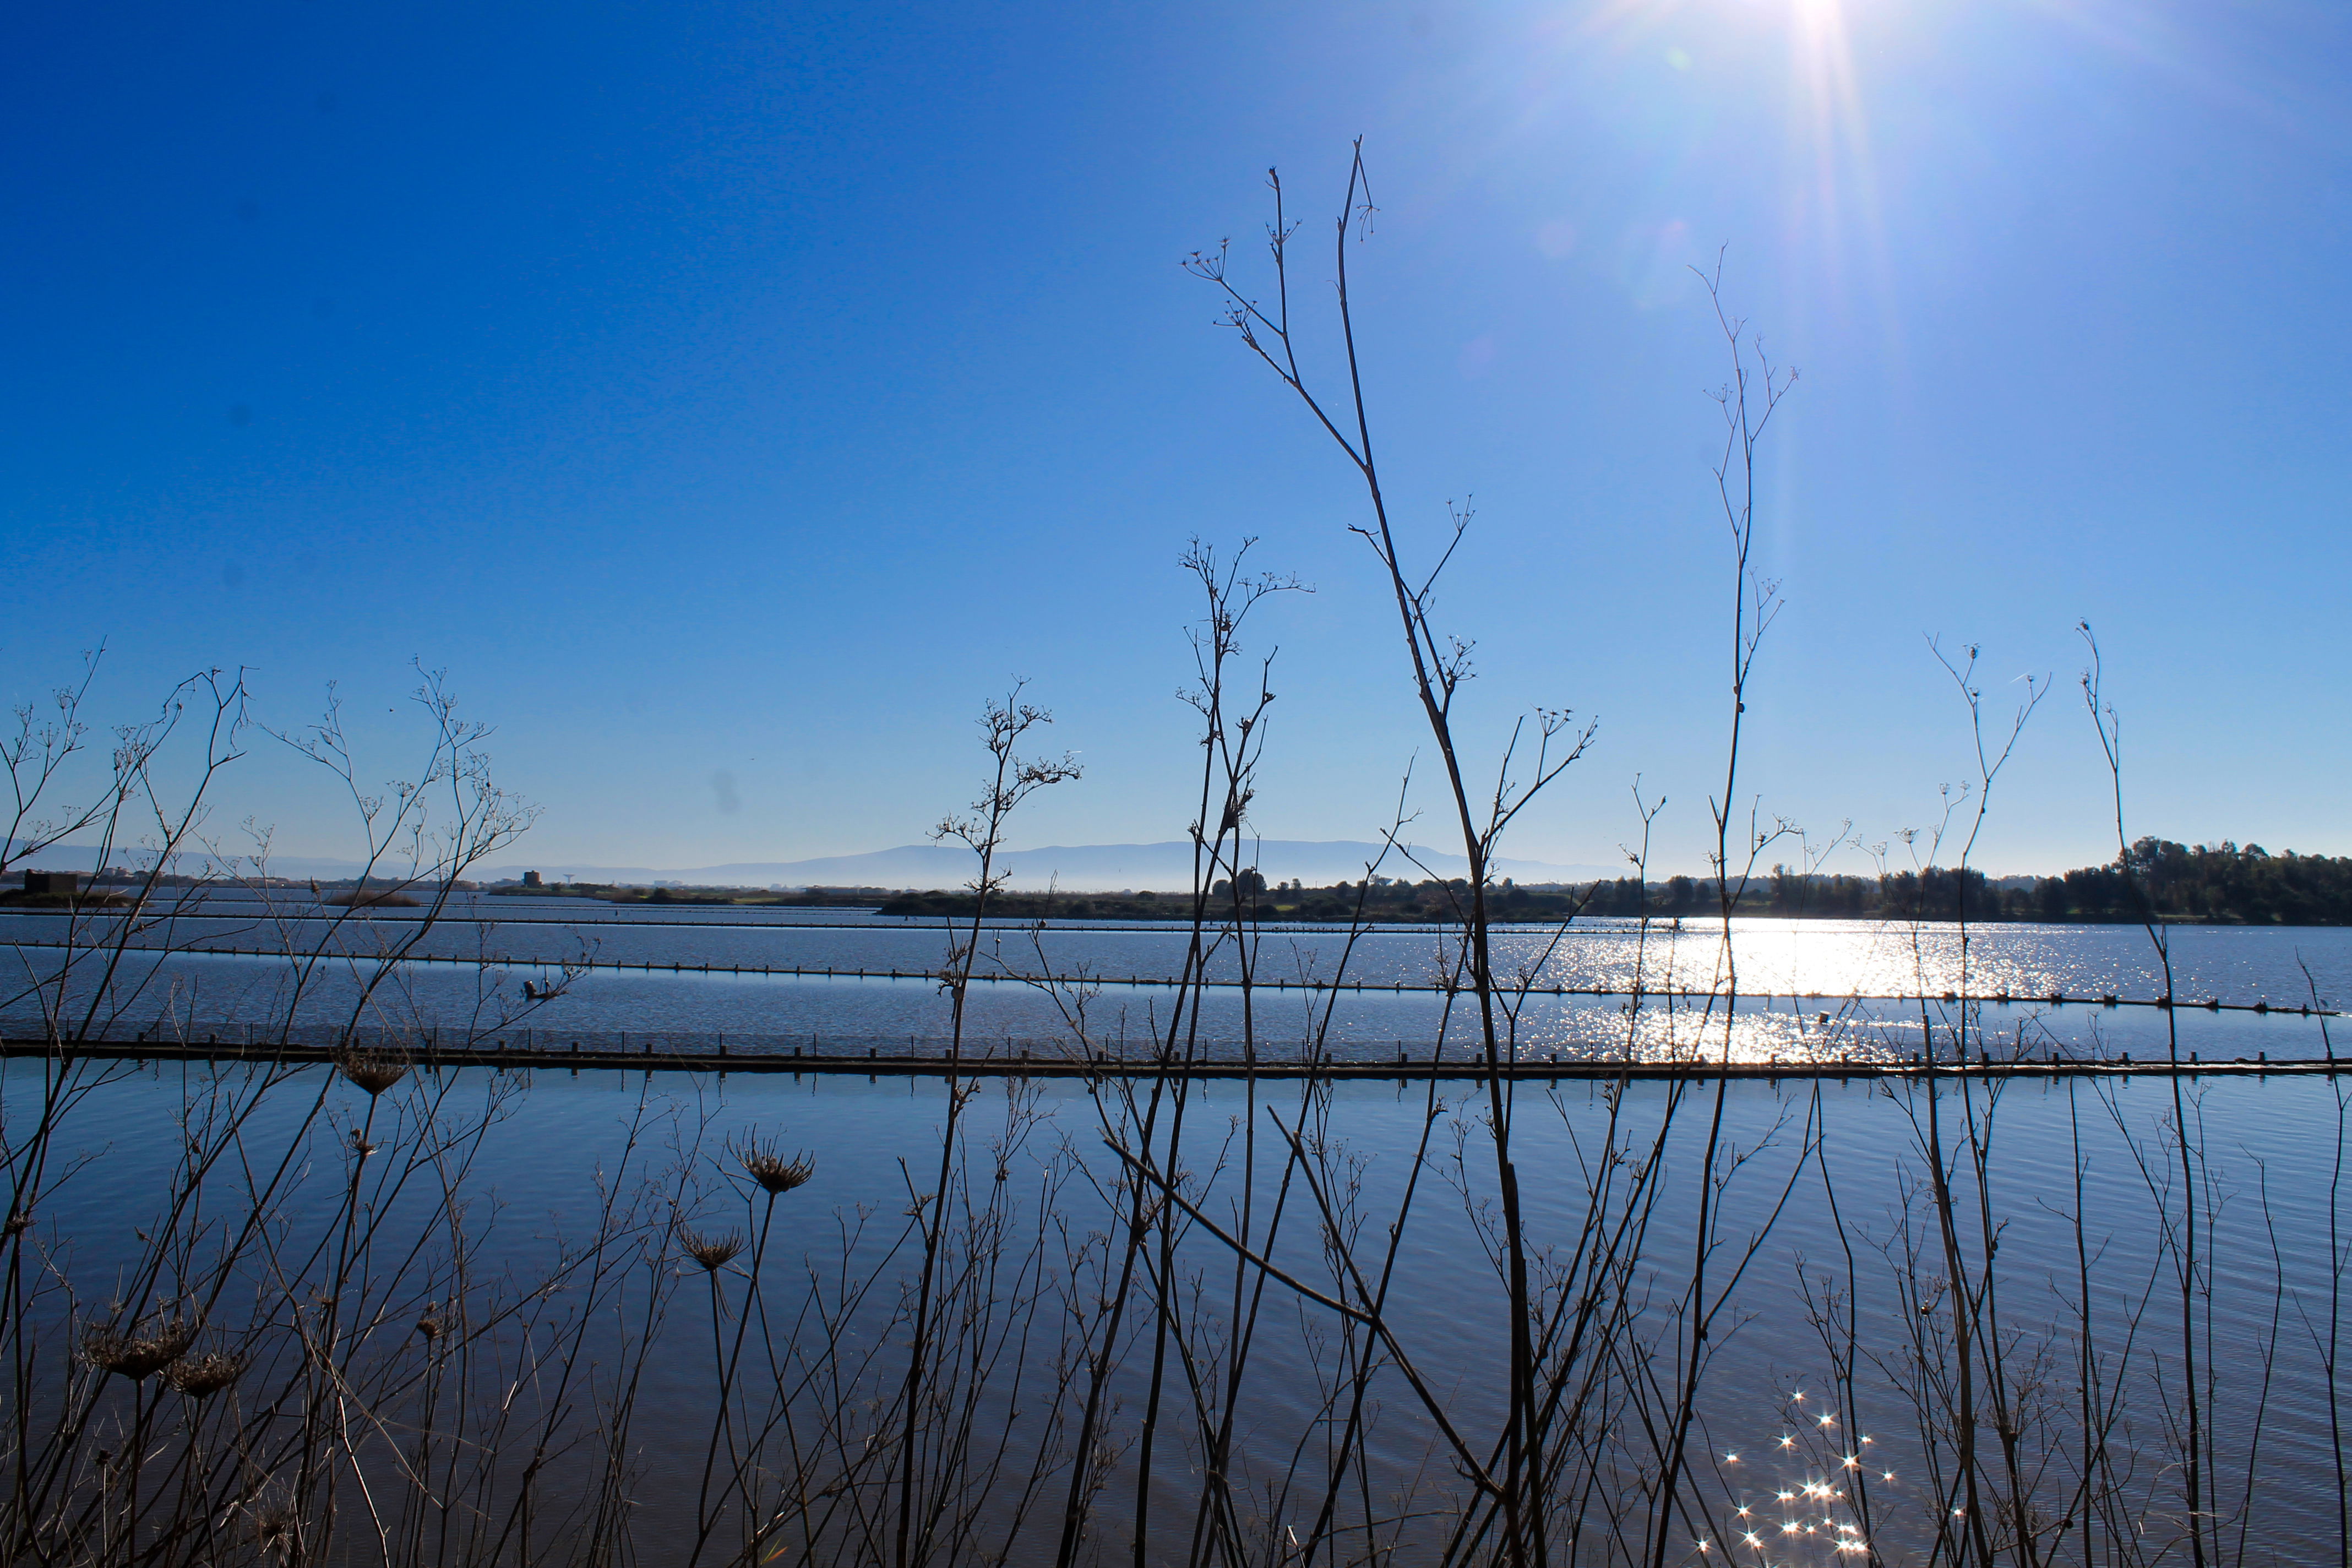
2225, 884
2155, 877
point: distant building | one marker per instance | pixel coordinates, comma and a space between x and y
53, 881
531, 879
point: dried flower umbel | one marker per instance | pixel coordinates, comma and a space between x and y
713, 1252
197, 1376
273, 1527
138, 1356
768, 1164
373, 1072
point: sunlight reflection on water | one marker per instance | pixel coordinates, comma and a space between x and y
1810, 991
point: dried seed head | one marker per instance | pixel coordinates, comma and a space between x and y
429, 1326
273, 1527
137, 1356
713, 1252
19, 1223
772, 1168
197, 1376
361, 1146
373, 1072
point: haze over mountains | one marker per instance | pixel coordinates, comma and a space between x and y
1083, 867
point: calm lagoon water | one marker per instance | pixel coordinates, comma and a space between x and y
1809, 988
2271, 1148
1812, 988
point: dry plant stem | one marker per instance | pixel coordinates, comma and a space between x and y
1979, 1305
1431, 1402
2339, 1258
1219, 1520
2188, 1269
1637, 991
1232, 745
2268, 1354
1978, 1360
1964, 1319
1011, 780
1232, 740
1344, 1456
1749, 401
1218, 1528
1140, 1220
1843, 1341
408, 844
351, 1392
2080, 1306
42, 747
132, 800
1439, 666
329, 1285
135, 808
1348, 1451
2094, 1481
727, 1360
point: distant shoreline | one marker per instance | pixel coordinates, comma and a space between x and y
2103, 895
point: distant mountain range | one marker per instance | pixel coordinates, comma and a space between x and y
1083, 867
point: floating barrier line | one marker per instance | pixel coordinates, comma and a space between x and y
1363, 987
991, 1065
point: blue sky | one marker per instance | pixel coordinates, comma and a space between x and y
732, 397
